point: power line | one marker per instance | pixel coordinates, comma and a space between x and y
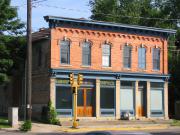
86, 11
32, 3
100, 13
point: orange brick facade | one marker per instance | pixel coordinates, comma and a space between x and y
117, 42
107, 91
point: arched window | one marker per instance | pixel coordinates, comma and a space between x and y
86, 53
127, 56
156, 59
106, 55
142, 58
65, 51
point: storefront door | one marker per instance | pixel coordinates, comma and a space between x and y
141, 103
85, 102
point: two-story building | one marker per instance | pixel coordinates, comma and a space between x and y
125, 68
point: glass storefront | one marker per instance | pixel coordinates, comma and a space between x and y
107, 98
156, 99
64, 98
127, 97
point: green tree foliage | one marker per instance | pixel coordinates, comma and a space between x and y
11, 40
140, 12
151, 13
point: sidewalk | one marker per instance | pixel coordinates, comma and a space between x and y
100, 125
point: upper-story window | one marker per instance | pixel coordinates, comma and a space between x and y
142, 58
65, 51
156, 59
127, 57
106, 55
86, 53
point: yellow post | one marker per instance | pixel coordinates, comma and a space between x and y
75, 123
75, 83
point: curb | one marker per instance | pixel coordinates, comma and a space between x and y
88, 129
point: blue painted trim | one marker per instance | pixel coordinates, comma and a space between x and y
55, 20
107, 72
107, 110
157, 115
109, 75
64, 110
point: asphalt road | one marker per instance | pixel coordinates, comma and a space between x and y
171, 131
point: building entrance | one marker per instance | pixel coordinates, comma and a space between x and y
85, 102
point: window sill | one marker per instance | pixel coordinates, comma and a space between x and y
157, 71
142, 70
126, 69
106, 67
65, 65
85, 66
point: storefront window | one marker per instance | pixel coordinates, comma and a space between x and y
80, 100
127, 97
63, 98
156, 96
107, 98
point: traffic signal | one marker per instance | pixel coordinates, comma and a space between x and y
71, 78
80, 79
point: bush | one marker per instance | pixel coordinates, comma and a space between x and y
49, 115
26, 126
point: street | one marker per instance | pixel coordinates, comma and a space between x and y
169, 131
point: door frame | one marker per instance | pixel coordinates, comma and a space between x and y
85, 103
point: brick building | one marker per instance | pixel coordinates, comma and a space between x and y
124, 67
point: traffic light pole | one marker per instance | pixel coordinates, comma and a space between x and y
75, 123
75, 83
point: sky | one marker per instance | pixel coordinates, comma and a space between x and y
64, 8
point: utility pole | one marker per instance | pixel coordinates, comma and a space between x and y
29, 60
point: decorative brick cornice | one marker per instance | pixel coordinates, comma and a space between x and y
108, 34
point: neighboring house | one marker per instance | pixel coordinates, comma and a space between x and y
124, 68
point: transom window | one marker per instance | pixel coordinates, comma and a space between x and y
127, 57
142, 58
106, 55
86, 53
156, 58
65, 51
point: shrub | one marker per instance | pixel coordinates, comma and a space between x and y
49, 115
26, 126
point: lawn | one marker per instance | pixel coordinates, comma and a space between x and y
4, 123
175, 123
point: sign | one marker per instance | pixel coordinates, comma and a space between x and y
107, 83
62, 81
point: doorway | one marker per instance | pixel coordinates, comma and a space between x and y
85, 102
142, 99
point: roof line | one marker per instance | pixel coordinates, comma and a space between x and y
102, 23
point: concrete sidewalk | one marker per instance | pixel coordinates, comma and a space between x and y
100, 125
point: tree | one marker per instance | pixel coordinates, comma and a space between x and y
152, 13
140, 12
11, 40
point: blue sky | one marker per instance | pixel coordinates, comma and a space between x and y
65, 8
